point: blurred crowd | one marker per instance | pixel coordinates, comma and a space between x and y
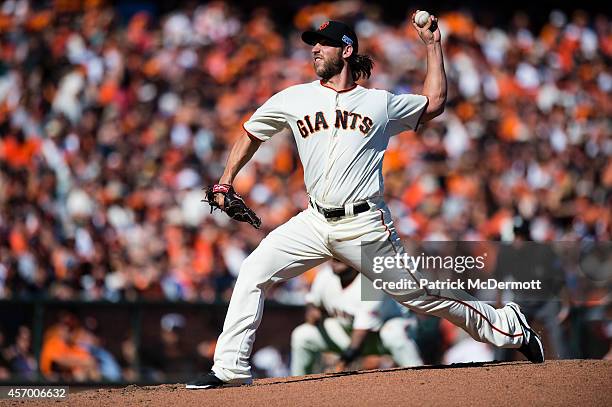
110, 128
74, 348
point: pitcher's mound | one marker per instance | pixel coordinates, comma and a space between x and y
569, 382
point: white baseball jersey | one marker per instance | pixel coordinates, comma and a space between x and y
341, 136
346, 305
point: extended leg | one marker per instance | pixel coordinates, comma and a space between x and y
288, 251
500, 327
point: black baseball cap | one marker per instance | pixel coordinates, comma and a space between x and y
335, 32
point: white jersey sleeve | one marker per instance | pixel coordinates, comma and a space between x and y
269, 119
368, 316
405, 111
315, 295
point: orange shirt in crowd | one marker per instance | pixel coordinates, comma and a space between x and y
18, 155
56, 347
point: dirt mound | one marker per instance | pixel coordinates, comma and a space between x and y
570, 382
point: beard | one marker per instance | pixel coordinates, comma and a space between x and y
331, 67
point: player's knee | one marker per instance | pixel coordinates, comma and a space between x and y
334, 328
393, 330
255, 269
302, 335
249, 264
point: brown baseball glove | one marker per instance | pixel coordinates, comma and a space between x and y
233, 204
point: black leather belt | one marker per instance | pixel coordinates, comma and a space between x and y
331, 213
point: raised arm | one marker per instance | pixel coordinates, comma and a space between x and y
435, 78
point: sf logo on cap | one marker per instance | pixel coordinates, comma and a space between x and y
322, 26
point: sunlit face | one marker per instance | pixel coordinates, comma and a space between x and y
327, 59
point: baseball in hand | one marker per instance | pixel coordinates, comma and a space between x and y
421, 18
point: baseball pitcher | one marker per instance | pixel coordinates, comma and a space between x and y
341, 130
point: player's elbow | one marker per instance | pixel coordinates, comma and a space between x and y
438, 110
435, 108
432, 112
436, 104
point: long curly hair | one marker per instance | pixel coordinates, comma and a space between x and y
361, 66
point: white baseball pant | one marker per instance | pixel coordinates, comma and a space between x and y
307, 343
307, 240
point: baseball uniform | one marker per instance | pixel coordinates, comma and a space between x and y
341, 137
346, 312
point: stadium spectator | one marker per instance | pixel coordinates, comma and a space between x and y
63, 357
5, 372
72, 351
22, 363
168, 357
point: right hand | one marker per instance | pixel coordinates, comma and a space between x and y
426, 35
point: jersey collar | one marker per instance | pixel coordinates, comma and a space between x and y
337, 91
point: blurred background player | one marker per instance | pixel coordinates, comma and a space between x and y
338, 321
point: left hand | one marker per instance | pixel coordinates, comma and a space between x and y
426, 35
223, 196
346, 358
349, 355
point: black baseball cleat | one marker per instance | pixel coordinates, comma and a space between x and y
205, 381
532, 346
211, 381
